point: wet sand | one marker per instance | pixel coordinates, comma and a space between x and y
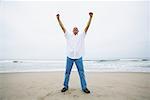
47, 86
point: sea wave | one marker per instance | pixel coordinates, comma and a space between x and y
115, 65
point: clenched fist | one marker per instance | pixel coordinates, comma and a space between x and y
91, 14
57, 15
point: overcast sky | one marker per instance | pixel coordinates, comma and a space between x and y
29, 30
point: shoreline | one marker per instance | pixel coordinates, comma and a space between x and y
91, 71
89, 66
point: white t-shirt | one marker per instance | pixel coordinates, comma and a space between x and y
75, 45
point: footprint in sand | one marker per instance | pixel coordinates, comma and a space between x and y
43, 97
75, 96
55, 93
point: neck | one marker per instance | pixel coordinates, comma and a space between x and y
75, 34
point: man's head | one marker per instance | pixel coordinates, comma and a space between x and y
75, 30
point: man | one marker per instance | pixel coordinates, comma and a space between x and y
75, 50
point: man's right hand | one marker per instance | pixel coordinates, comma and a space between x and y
91, 14
57, 16
60, 23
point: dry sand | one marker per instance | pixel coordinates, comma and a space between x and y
47, 86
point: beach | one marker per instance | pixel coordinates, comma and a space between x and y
47, 86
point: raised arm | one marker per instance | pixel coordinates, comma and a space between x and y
89, 22
60, 23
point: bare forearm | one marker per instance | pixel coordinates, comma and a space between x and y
88, 24
60, 23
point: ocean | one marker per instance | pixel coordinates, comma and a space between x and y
117, 65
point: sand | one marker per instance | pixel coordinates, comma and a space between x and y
47, 86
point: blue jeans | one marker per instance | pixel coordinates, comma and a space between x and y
79, 64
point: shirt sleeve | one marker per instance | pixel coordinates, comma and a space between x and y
66, 35
83, 34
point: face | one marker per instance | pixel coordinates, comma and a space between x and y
75, 30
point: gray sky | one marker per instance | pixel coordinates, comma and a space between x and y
29, 30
